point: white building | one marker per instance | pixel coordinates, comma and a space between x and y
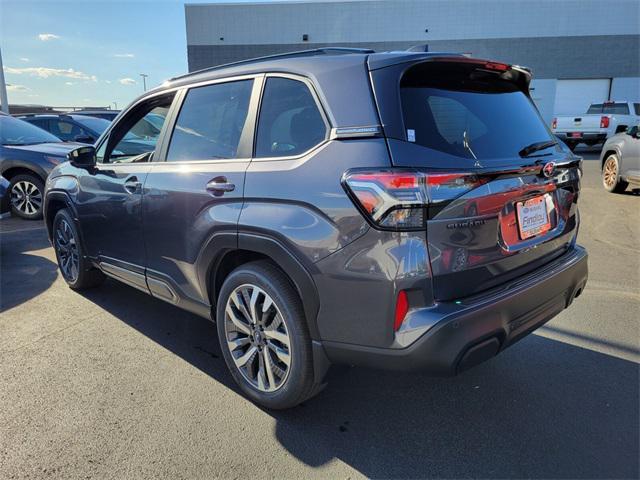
580, 51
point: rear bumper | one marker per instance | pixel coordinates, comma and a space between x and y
459, 336
586, 137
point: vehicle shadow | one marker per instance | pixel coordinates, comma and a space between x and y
23, 276
542, 409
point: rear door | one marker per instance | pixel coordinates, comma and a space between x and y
502, 196
194, 188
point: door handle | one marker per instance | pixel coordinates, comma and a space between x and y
132, 185
220, 185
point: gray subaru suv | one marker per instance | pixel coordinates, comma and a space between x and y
395, 210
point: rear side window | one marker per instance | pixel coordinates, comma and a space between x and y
290, 122
473, 115
210, 122
636, 107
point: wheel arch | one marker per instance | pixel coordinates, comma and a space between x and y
12, 168
605, 155
217, 263
53, 203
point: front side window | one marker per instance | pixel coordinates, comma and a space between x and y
290, 122
210, 122
132, 140
65, 130
93, 124
636, 107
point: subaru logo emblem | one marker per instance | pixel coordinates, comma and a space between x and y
549, 169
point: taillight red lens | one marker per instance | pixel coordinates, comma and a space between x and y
604, 122
396, 199
402, 307
393, 199
554, 123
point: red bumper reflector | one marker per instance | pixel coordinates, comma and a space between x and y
402, 307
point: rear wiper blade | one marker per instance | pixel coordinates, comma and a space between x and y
534, 147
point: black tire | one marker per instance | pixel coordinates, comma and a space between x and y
26, 194
611, 175
66, 241
299, 383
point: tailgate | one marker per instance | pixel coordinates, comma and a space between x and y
578, 123
501, 191
505, 228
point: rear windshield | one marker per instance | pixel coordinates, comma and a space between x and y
475, 115
609, 109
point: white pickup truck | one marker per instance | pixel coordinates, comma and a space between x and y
601, 121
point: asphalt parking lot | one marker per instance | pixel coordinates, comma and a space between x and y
114, 384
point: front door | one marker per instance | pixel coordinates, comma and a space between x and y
110, 195
194, 188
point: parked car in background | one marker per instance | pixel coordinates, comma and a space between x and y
109, 115
85, 129
620, 160
273, 201
601, 121
4, 195
27, 155
69, 128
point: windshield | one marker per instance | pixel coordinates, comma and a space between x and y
14, 131
474, 121
98, 125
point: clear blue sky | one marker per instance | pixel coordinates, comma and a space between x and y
90, 52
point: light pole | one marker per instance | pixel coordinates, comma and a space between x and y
144, 81
4, 101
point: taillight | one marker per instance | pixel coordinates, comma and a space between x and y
397, 199
554, 123
604, 122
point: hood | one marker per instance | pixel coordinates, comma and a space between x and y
58, 149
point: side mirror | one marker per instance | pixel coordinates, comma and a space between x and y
634, 131
82, 156
84, 139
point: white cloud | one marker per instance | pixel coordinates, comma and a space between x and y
17, 88
107, 81
124, 55
44, 72
45, 37
24, 59
127, 81
69, 83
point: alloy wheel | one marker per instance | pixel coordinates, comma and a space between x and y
26, 197
67, 249
257, 338
610, 173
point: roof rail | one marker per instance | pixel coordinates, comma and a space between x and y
300, 53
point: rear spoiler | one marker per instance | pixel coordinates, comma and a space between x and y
515, 73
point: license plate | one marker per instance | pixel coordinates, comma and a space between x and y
533, 217
575, 134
